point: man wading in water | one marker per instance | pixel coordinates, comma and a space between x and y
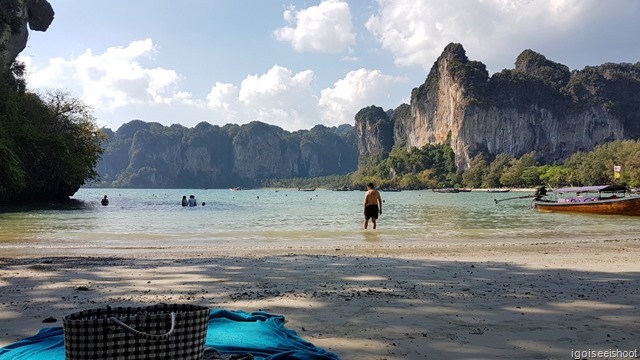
372, 205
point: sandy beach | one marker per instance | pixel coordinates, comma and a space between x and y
501, 302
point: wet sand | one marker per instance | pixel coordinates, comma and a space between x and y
490, 302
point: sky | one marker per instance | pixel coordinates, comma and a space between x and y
297, 64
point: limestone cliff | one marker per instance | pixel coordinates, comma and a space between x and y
15, 15
540, 105
141, 154
374, 134
260, 151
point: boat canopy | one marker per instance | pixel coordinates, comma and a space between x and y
591, 189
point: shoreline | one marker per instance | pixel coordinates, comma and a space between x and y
539, 301
471, 250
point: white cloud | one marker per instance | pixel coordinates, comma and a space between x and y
326, 27
57, 72
285, 99
278, 97
121, 87
223, 98
358, 89
112, 79
495, 31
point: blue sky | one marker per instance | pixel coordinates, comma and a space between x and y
296, 64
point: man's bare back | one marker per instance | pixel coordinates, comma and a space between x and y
372, 197
372, 205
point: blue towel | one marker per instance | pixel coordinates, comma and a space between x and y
230, 332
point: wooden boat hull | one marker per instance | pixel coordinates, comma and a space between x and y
620, 206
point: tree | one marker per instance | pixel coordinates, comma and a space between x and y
587, 170
555, 175
411, 181
496, 168
50, 145
428, 178
521, 172
12, 174
473, 176
628, 158
530, 176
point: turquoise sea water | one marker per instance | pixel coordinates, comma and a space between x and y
143, 219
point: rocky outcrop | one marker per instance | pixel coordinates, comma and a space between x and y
553, 136
540, 105
374, 132
141, 154
261, 151
16, 15
40, 14
327, 151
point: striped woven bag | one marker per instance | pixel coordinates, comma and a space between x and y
163, 331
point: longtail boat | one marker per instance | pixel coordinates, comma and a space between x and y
603, 199
446, 190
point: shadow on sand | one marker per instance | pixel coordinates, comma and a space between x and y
357, 307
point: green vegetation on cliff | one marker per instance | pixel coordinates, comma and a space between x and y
49, 145
616, 87
583, 168
428, 167
433, 167
148, 155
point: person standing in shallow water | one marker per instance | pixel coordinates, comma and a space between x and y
372, 205
184, 200
104, 201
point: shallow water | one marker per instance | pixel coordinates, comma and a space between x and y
257, 219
